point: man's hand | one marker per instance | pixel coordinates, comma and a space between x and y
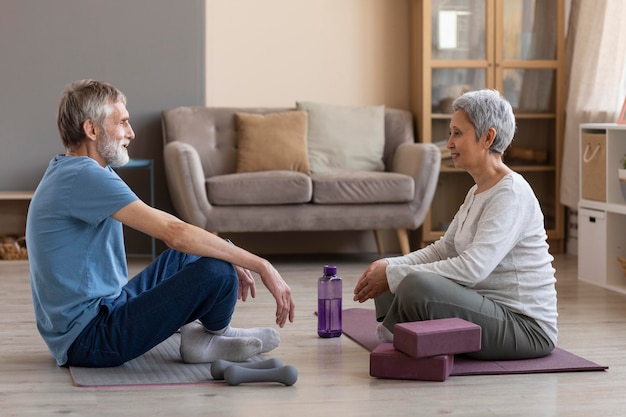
282, 294
373, 282
246, 283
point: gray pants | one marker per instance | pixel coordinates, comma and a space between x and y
424, 296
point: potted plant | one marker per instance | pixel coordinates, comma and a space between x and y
622, 169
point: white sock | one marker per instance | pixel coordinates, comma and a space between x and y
197, 345
269, 336
384, 334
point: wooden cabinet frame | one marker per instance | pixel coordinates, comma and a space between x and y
547, 174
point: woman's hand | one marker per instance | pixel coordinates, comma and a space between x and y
373, 282
246, 283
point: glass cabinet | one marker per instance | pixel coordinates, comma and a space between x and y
514, 46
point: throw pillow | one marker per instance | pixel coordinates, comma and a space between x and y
345, 138
272, 142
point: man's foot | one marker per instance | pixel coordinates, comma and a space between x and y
197, 345
269, 336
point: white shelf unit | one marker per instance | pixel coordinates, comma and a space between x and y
602, 224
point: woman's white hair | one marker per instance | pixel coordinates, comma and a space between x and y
488, 109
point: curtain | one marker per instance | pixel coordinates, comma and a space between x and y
596, 54
537, 92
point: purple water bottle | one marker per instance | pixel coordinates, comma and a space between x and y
329, 303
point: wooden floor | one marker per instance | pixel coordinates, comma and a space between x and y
333, 373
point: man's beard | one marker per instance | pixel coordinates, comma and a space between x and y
112, 151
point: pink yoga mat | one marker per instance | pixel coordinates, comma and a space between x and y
359, 324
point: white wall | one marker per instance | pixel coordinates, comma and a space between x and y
275, 52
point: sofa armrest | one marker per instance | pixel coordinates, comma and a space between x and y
422, 162
186, 182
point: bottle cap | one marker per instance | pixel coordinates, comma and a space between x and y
330, 270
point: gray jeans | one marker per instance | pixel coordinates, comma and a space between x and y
424, 296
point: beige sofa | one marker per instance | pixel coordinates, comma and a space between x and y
201, 164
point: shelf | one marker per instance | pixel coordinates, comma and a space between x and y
16, 195
517, 168
601, 224
518, 116
608, 207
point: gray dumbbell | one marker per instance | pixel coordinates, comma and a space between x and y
235, 375
219, 366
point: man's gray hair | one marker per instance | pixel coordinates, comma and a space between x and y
84, 100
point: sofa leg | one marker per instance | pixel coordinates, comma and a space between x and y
379, 241
403, 239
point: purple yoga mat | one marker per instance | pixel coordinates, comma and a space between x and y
359, 324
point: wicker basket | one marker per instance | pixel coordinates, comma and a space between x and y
13, 247
622, 262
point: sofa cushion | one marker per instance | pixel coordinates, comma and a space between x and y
344, 138
272, 142
259, 188
361, 187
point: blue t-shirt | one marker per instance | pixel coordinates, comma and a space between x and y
75, 249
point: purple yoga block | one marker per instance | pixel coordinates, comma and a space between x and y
387, 362
421, 339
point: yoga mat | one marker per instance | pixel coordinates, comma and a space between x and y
160, 366
359, 324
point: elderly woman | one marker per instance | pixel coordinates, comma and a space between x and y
492, 266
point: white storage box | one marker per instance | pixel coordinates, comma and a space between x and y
591, 245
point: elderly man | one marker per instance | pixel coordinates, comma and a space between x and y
88, 312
